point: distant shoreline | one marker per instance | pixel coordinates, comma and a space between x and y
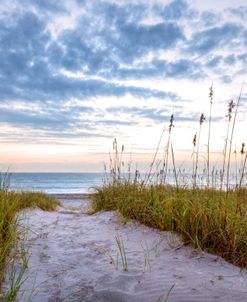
72, 195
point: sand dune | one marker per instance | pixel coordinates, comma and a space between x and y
73, 257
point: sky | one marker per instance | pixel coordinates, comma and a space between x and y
75, 74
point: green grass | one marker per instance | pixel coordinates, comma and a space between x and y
209, 219
10, 204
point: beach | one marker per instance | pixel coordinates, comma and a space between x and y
74, 256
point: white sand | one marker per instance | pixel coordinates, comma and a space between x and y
72, 255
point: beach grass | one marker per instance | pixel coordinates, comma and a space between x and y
209, 215
209, 219
10, 204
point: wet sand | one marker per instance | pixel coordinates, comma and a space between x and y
73, 257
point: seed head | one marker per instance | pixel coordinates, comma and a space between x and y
171, 123
231, 106
211, 94
202, 119
114, 144
242, 148
194, 140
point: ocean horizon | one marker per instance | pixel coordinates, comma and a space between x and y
85, 182
55, 182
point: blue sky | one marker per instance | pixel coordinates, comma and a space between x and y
77, 73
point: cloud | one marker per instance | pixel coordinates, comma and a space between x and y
154, 114
224, 36
22, 44
214, 62
226, 79
210, 18
175, 10
108, 48
241, 12
51, 119
230, 59
60, 122
115, 34
116, 122
137, 40
184, 69
176, 69
48, 5
50, 122
30, 69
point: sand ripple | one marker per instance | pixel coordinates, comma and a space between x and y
73, 257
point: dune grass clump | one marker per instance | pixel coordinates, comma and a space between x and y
10, 204
210, 215
208, 219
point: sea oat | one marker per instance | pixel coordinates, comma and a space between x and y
231, 106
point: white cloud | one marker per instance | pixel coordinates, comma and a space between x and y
58, 24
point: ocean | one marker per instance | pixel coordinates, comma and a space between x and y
56, 183
72, 183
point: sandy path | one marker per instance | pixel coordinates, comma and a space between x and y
72, 258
